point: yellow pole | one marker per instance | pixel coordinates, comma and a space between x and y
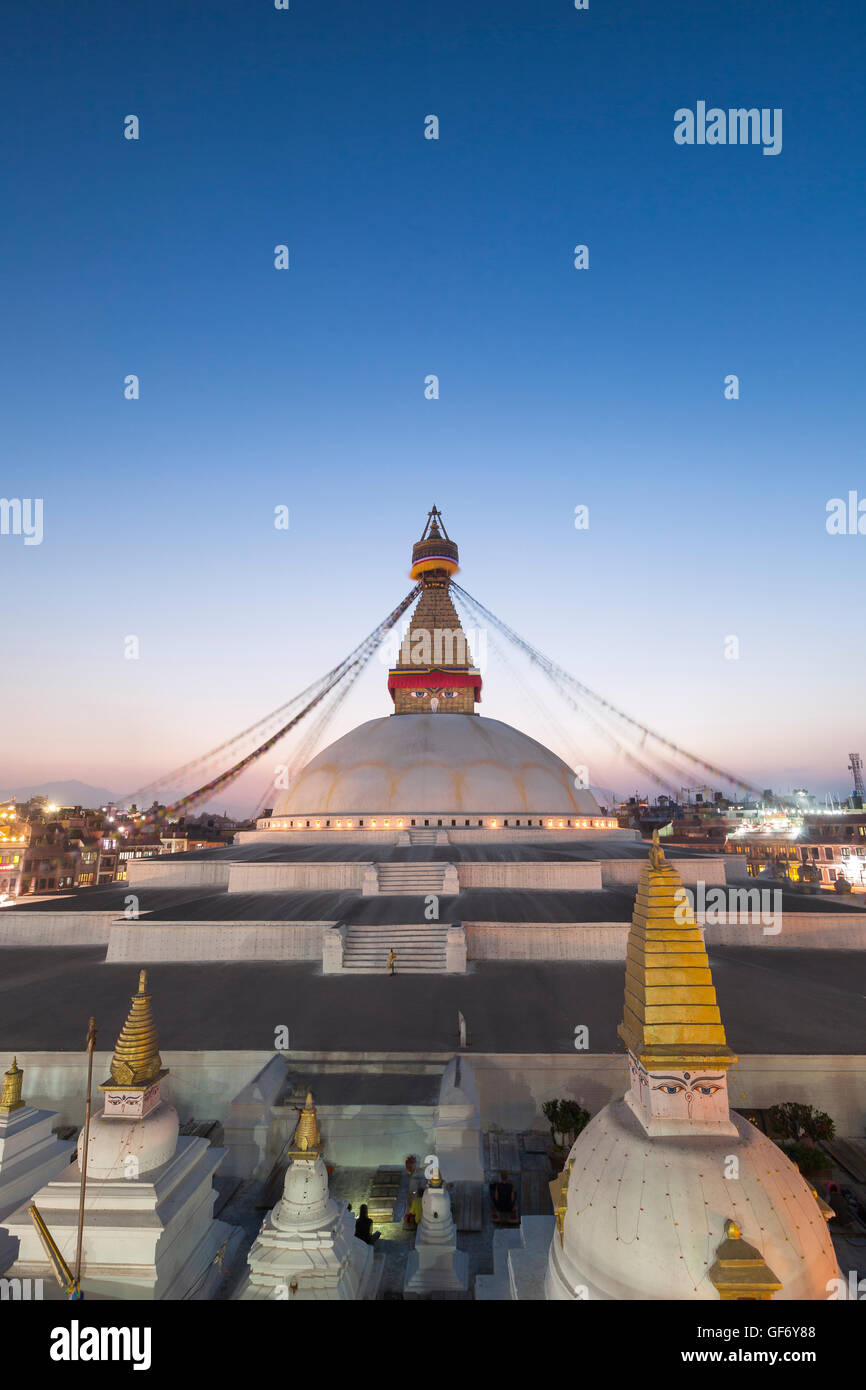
62, 1272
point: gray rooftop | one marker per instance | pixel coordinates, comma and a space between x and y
797, 1002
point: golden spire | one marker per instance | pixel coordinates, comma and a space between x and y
307, 1139
671, 1016
10, 1091
136, 1061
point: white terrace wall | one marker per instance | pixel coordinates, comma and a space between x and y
131, 942
608, 940
532, 875
546, 940
174, 871
287, 878
622, 873
55, 928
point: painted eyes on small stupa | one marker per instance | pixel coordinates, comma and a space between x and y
708, 1090
672, 1089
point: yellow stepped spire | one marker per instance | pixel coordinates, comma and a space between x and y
10, 1090
136, 1063
307, 1139
671, 1017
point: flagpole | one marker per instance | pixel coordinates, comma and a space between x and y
91, 1042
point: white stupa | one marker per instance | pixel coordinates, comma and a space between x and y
666, 1193
306, 1248
30, 1153
436, 1265
149, 1230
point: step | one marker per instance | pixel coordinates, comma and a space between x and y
420, 949
417, 878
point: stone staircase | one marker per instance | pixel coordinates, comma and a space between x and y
420, 949
418, 877
425, 836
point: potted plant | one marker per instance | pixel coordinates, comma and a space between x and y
566, 1119
802, 1128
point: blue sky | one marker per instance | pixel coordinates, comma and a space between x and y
409, 257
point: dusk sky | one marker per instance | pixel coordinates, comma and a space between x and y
409, 257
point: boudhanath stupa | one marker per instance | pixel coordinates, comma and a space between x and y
504, 888
667, 1193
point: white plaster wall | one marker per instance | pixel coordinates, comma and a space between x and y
799, 930
365, 1136
514, 1087
608, 940
532, 874
131, 942
170, 871
55, 928
284, 878
546, 941
711, 870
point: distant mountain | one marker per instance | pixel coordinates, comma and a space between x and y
71, 793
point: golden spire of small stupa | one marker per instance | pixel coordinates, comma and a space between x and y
307, 1139
10, 1090
671, 1016
136, 1061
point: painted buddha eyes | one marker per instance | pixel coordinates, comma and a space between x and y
674, 1088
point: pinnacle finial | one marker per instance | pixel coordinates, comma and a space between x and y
657, 854
136, 1060
307, 1139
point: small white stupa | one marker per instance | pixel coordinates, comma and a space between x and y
30, 1154
149, 1230
307, 1248
436, 1265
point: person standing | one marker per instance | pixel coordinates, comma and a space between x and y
392, 962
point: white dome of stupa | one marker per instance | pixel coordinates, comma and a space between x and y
306, 1199
450, 764
645, 1216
